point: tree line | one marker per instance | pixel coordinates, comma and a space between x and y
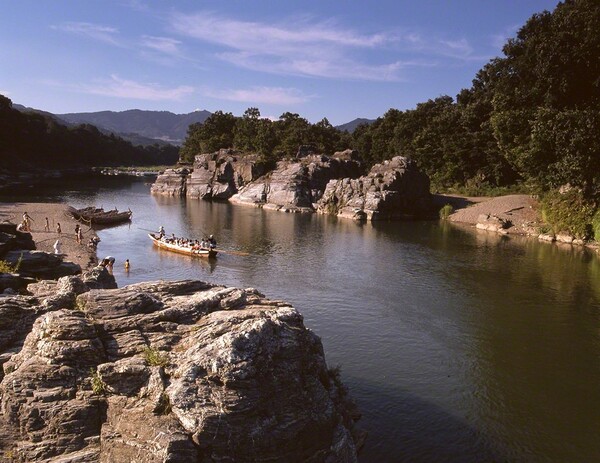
273, 140
530, 117
29, 140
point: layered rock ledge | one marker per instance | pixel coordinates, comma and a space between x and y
297, 185
165, 372
394, 189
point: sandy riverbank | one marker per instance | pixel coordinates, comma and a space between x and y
44, 240
521, 210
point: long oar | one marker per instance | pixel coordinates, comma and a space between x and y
145, 229
233, 253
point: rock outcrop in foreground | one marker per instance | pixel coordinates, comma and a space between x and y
164, 372
394, 189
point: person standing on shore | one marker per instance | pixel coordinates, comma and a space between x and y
47, 225
57, 245
78, 234
27, 221
58, 230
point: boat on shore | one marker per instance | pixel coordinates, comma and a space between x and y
207, 253
98, 216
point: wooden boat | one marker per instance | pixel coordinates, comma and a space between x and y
93, 215
202, 252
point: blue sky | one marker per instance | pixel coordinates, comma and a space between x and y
334, 59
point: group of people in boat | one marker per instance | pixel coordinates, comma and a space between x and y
204, 243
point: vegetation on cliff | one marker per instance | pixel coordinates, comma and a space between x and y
33, 140
273, 140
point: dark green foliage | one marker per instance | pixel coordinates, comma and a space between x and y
596, 225
532, 116
214, 133
155, 358
273, 140
546, 97
33, 140
446, 211
569, 212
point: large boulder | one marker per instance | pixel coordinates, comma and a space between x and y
12, 239
220, 175
172, 182
298, 184
394, 189
40, 264
169, 372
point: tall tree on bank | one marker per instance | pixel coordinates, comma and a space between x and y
547, 97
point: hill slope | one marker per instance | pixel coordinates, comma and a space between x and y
351, 126
160, 125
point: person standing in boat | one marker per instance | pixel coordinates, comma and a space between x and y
161, 232
212, 242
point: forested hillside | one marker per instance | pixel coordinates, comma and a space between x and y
161, 125
29, 140
530, 116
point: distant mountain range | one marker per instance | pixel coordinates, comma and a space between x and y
351, 126
135, 125
159, 125
148, 127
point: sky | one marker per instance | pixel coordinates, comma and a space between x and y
335, 59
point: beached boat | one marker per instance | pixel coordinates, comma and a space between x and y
202, 252
94, 215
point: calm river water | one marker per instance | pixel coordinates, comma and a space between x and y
458, 346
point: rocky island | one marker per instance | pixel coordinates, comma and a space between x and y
308, 183
162, 371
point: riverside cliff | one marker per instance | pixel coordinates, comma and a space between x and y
164, 372
309, 183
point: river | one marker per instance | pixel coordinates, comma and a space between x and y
458, 345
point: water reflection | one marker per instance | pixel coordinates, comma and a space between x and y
458, 345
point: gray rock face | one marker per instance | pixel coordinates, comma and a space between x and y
493, 223
220, 175
11, 239
166, 372
40, 264
295, 186
172, 182
394, 189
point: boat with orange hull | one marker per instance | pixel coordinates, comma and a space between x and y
207, 253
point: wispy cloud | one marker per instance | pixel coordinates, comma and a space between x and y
265, 95
99, 32
308, 47
300, 47
165, 45
122, 88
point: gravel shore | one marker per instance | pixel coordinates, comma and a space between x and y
521, 210
44, 240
